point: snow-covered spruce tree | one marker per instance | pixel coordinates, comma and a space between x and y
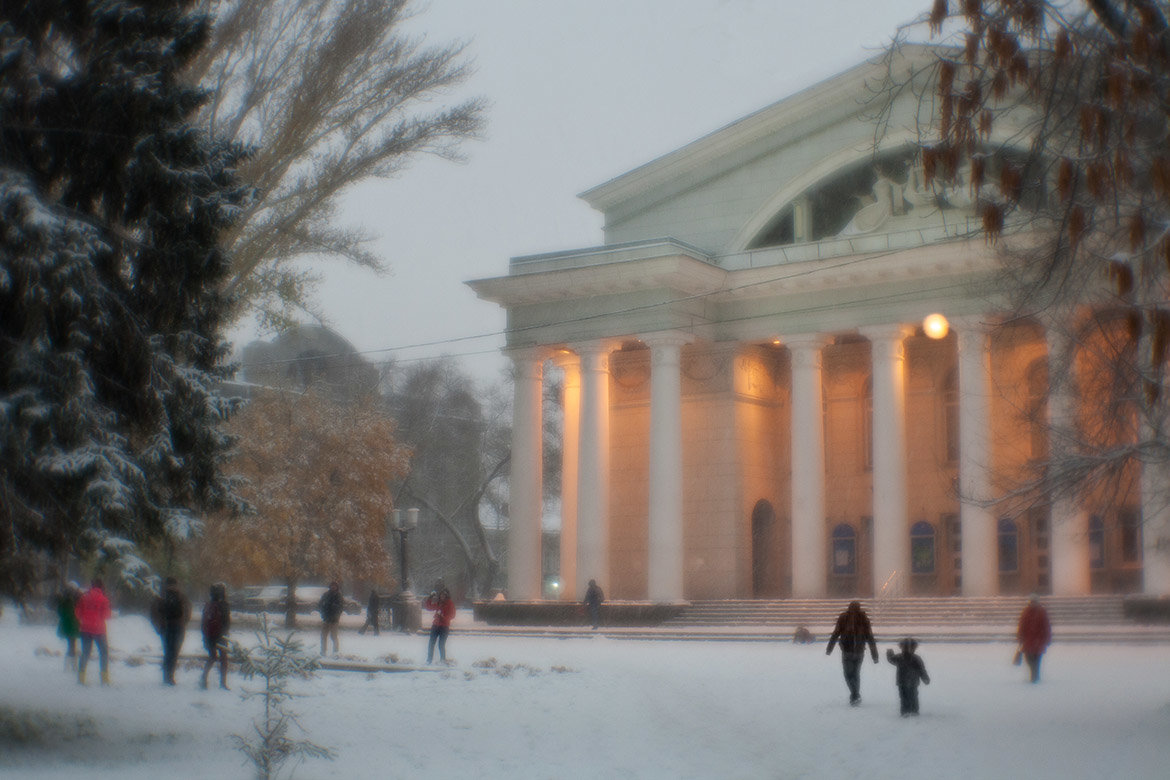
111, 206
275, 660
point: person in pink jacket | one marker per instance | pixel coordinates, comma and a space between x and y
93, 610
444, 608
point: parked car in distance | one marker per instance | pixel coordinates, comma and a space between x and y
272, 598
242, 599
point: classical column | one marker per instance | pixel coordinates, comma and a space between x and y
666, 543
809, 539
891, 537
526, 483
1155, 526
977, 521
570, 365
1068, 523
593, 466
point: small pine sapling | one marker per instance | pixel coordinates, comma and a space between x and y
275, 660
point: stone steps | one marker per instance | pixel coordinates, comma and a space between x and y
909, 611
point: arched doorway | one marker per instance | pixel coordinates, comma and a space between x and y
767, 578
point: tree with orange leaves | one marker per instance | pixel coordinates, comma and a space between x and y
1055, 116
316, 474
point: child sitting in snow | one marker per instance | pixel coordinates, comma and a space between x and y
911, 669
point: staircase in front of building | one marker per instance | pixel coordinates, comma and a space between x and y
1092, 619
941, 618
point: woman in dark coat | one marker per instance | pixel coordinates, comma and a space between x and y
1034, 632
217, 621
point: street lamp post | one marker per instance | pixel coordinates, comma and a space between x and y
406, 610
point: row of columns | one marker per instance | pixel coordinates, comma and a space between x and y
585, 476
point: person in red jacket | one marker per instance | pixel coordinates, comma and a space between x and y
93, 610
1034, 632
444, 609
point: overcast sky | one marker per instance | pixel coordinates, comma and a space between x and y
580, 91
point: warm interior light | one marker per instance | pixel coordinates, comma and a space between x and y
776, 341
935, 326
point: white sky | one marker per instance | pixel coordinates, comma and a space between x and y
581, 91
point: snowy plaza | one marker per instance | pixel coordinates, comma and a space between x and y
597, 706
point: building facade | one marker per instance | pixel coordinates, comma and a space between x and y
756, 405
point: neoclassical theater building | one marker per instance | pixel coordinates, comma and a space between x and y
756, 404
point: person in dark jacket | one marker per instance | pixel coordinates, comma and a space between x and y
216, 622
330, 608
169, 614
68, 627
911, 671
854, 632
593, 598
372, 607
444, 609
1034, 632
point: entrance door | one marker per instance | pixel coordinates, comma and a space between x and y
765, 552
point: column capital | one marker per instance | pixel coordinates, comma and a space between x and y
973, 323
805, 349
537, 353
564, 358
896, 332
667, 338
595, 347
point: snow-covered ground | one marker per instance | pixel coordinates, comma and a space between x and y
600, 708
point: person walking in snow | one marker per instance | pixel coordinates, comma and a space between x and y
170, 614
372, 607
911, 671
67, 625
330, 607
216, 622
93, 610
444, 608
854, 632
593, 598
1034, 633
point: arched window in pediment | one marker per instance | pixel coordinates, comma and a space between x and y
883, 194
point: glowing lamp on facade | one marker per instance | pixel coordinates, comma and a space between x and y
935, 326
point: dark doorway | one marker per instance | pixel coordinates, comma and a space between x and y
765, 552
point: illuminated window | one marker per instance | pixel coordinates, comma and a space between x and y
922, 548
844, 549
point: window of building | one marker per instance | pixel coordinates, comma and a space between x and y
1096, 542
1131, 535
844, 549
922, 548
1009, 546
951, 416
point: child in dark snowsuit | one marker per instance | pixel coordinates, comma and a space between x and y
911, 670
